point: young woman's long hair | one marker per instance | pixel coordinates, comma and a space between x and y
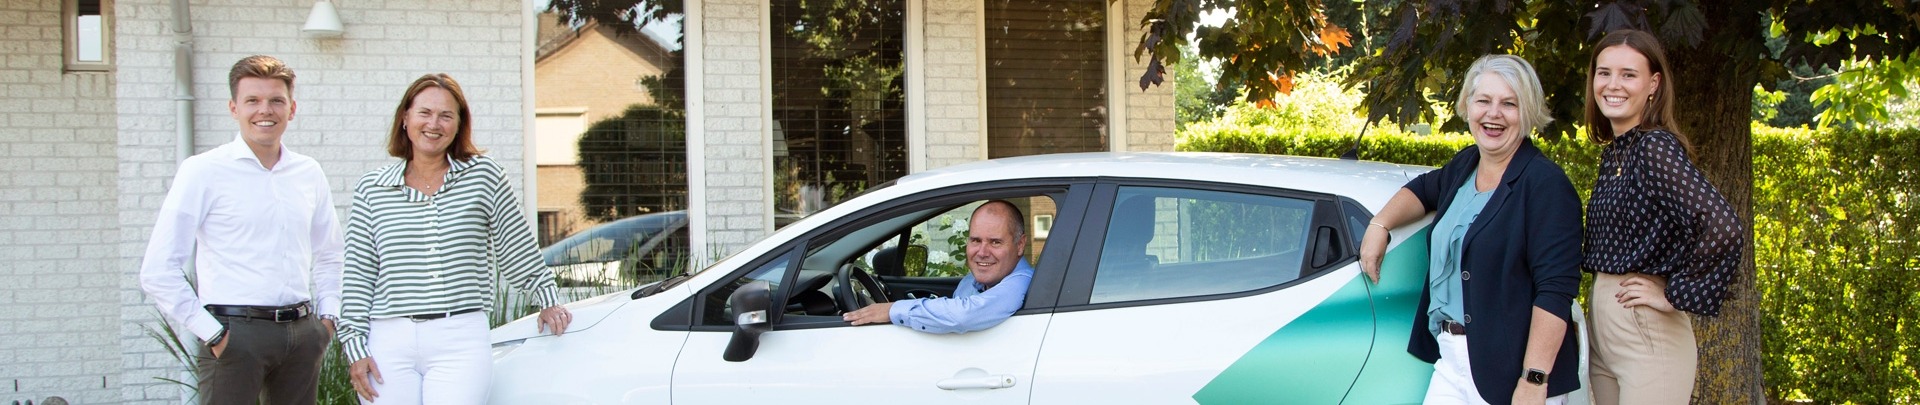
1659, 114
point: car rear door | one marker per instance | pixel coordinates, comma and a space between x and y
1215, 294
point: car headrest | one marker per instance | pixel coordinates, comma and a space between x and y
1131, 228
887, 262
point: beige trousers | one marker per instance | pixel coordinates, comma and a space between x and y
1639, 355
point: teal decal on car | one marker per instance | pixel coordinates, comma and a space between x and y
1315, 359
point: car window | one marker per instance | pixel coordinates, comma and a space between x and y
1357, 218
1168, 243
931, 260
941, 241
717, 311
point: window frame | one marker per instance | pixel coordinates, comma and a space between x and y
70, 37
1076, 295
1042, 294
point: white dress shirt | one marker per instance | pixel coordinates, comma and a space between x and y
266, 237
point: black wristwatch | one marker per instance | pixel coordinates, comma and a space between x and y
217, 337
1536, 376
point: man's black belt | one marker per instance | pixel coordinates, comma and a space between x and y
284, 314
439, 315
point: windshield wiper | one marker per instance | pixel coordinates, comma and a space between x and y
663, 285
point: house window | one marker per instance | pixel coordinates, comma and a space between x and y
839, 92
551, 227
1046, 76
1042, 225
87, 29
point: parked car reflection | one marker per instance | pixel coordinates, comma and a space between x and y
623, 253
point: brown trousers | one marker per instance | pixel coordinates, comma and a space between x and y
265, 362
1639, 355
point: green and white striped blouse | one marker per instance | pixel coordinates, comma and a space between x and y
413, 254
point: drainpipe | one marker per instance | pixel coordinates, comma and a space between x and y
183, 127
183, 80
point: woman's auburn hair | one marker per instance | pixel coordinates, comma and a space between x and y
462, 149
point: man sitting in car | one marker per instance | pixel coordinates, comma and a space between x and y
995, 286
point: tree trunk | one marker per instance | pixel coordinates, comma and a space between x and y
1715, 85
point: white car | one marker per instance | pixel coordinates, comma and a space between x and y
1160, 278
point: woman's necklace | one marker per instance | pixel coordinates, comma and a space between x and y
426, 183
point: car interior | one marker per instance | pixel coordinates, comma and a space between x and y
913, 255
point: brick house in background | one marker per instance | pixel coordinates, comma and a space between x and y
92, 135
582, 75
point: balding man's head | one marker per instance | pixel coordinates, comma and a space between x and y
996, 238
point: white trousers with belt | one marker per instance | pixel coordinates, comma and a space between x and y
1453, 376
441, 361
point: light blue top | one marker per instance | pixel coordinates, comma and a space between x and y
972, 307
1448, 245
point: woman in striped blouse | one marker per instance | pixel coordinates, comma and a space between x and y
423, 238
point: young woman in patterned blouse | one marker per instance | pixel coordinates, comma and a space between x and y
1660, 239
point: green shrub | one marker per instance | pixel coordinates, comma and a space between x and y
1835, 227
1836, 241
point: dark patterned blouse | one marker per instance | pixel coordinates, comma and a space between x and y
1652, 212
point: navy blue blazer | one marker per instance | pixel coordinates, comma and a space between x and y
1523, 251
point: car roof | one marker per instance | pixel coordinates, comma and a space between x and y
1370, 183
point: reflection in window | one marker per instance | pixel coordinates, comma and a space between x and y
552, 228
1165, 243
610, 137
839, 119
1046, 76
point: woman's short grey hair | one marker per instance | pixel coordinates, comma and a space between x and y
1519, 75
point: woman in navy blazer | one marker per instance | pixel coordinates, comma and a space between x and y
1505, 251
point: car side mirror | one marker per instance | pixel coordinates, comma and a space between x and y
750, 319
915, 261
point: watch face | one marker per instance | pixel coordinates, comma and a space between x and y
1536, 376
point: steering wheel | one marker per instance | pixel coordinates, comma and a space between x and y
870, 291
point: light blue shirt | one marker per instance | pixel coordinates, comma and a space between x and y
1448, 245
972, 307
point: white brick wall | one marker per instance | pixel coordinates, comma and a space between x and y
737, 181
1149, 113
346, 92
58, 315
954, 119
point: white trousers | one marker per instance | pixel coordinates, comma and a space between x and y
442, 361
1452, 381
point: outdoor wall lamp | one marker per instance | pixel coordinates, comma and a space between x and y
324, 21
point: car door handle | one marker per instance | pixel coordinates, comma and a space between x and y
987, 382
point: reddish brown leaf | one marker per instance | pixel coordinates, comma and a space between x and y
1332, 38
1282, 82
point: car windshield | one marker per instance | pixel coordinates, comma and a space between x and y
610, 241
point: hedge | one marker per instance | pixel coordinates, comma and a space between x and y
1836, 240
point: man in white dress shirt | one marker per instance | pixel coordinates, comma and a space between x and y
258, 222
